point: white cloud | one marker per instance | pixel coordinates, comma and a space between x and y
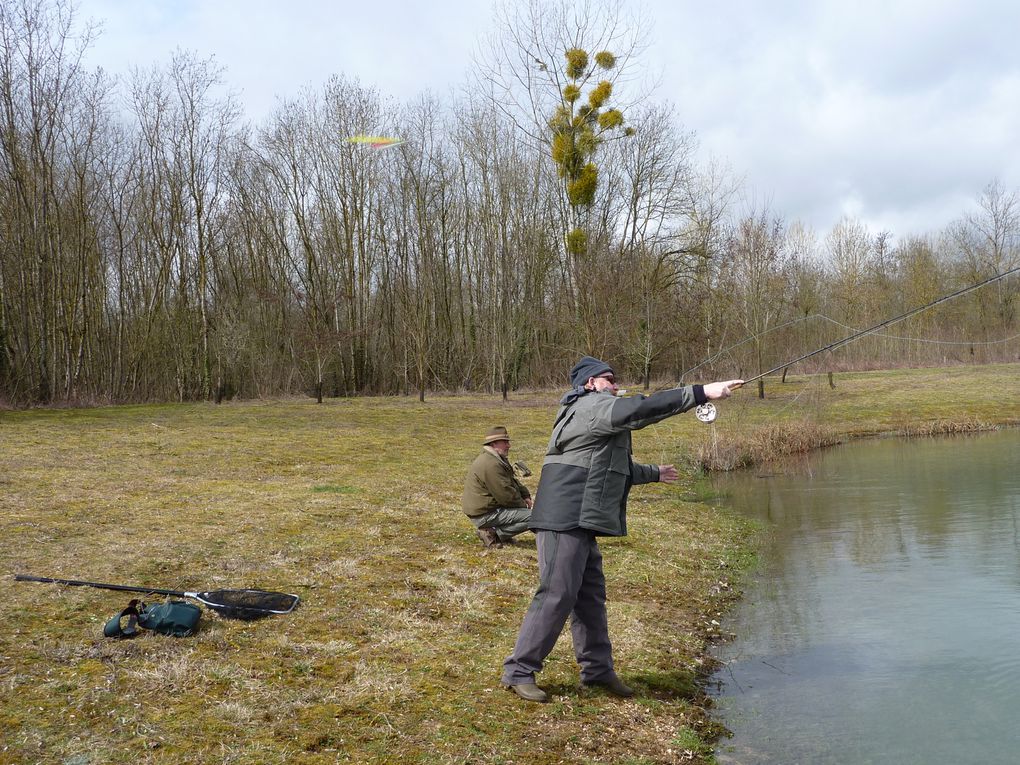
899, 111
893, 111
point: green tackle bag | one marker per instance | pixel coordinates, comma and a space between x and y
124, 624
176, 618
171, 617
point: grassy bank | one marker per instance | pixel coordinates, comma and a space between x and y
395, 653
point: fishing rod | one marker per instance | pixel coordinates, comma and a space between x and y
707, 411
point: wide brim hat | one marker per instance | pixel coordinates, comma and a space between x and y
497, 433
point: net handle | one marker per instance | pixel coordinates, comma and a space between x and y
101, 585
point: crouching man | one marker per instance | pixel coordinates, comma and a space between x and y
496, 503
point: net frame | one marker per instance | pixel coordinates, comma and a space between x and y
246, 604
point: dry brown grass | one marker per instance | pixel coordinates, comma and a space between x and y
395, 652
762, 443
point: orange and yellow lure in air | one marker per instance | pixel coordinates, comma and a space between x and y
375, 141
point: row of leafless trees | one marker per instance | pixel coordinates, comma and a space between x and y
154, 247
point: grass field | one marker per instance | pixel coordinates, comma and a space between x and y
395, 653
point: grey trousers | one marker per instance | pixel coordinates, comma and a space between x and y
571, 583
507, 522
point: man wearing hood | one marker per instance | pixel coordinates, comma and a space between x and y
582, 494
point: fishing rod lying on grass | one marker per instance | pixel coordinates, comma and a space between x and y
233, 604
707, 411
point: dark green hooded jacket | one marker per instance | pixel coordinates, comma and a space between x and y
588, 468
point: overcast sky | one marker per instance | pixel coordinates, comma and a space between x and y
898, 112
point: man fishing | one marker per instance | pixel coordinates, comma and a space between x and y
582, 494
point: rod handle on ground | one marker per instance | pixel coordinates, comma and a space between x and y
27, 578
100, 585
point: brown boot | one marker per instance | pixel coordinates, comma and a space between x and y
529, 692
613, 684
489, 538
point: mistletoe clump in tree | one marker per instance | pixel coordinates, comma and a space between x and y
579, 126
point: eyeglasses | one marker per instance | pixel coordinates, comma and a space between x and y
608, 378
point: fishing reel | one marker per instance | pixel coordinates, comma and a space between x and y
706, 412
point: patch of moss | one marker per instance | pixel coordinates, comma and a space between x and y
329, 489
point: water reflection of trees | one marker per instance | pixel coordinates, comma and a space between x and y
878, 514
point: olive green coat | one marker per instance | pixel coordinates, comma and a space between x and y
491, 485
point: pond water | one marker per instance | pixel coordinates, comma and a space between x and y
883, 624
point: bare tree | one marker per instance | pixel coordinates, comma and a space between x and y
657, 174
756, 256
40, 76
700, 243
348, 183
921, 278
290, 149
552, 69
850, 253
988, 241
203, 125
510, 248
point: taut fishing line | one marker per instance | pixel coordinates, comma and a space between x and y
725, 351
707, 411
823, 317
928, 340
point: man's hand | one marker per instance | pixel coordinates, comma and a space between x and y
529, 502
717, 390
668, 474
